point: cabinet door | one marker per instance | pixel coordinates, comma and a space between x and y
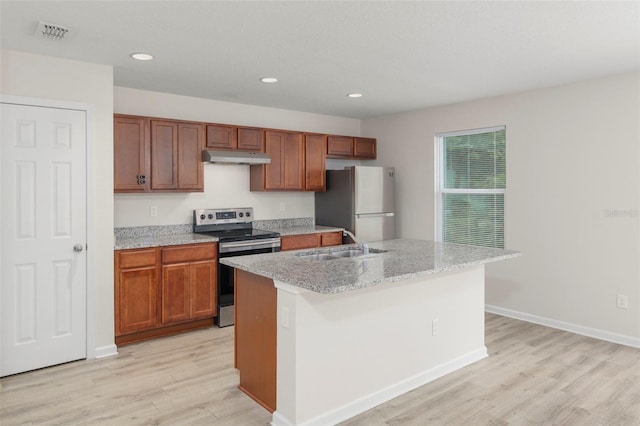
364, 148
136, 299
190, 165
250, 139
315, 149
203, 289
175, 293
136, 290
130, 159
164, 154
222, 137
274, 172
339, 146
294, 162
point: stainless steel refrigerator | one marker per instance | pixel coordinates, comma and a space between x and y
360, 199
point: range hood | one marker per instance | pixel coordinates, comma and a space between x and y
235, 157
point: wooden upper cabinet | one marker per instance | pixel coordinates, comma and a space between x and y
339, 146
364, 148
293, 157
176, 151
286, 170
130, 154
348, 147
220, 136
315, 149
250, 139
164, 155
190, 165
274, 172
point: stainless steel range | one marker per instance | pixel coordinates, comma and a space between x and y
236, 237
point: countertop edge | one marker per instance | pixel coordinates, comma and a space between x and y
335, 289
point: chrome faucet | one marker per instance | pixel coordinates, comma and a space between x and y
362, 245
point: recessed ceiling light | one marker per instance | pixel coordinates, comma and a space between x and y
354, 95
269, 80
142, 56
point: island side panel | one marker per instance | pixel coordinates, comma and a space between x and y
342, 354
255, 337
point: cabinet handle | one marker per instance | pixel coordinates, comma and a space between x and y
142, 179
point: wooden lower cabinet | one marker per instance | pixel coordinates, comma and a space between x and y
303, 241
188, 291
136, 291
161, 291
255, 337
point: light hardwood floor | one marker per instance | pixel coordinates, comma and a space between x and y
533, 376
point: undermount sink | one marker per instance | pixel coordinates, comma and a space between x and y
340, 254
316, 256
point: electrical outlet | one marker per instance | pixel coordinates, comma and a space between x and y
153, 211
622, 301
435, 325
282, 207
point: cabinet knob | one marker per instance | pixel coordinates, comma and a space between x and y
142, 179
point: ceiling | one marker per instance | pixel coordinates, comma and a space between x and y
401, 55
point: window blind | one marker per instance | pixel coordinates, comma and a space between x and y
471, 187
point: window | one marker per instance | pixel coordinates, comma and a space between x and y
471, 182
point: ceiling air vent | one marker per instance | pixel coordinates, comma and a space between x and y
51, 31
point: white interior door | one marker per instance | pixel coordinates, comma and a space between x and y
43, 260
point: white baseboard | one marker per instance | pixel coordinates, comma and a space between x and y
620, 339
367, 402
106, 351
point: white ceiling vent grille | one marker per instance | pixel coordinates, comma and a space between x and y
51, 31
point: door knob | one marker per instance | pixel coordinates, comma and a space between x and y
77, 248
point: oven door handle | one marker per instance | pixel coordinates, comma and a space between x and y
266, 242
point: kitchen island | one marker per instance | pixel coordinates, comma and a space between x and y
321, 338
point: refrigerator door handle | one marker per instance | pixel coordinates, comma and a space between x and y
366, 215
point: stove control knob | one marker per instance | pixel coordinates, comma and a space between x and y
210, 216
248, 214
202, 216
240, 214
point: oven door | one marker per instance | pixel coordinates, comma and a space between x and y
226, 281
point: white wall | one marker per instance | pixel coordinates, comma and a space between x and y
573, 157
225, 185
45, 77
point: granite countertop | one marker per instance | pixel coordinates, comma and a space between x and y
307, 229
122, 243
169, 235
402, 259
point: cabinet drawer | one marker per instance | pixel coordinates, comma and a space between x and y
331, 239
137, 258
189, 253
295, 242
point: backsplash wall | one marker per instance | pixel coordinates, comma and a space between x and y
225, 186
